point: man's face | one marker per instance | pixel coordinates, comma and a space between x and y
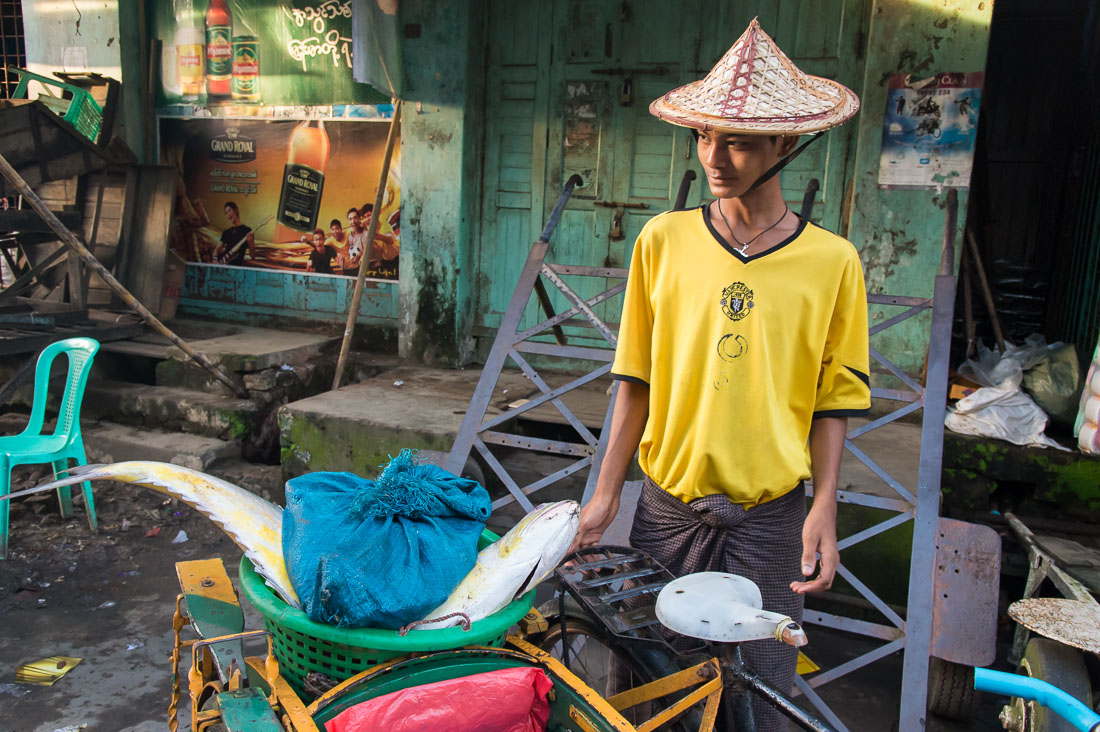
353, 220
232, 215
732, 163
318, 241
336, 230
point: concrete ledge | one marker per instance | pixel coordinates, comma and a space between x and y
111, 443
171, 408
254, 349
358, 427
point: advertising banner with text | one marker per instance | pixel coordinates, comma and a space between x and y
242, 57
293, 195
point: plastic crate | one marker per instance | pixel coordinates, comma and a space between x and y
303, 646
79, 109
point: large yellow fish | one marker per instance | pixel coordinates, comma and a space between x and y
254, 524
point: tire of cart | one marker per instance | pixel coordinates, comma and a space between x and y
950, 689
1058, 664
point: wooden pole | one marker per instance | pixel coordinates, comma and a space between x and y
94, 264
968, 301
357, 294
976, 259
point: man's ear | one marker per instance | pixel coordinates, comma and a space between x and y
787, 145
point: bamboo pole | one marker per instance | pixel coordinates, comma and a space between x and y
94, 264
357, 294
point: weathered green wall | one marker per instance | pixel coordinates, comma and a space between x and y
899, 233
440, 168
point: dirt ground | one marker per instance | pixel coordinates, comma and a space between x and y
108, 598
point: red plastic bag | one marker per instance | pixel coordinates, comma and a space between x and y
508, 700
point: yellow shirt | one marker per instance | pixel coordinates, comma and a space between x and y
740, 354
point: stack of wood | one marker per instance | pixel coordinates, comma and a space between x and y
119, 210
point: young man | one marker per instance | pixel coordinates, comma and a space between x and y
742, 351
237, 240
357, 241
320, 258
338, 240
383, 247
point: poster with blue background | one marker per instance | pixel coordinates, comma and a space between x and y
929, 131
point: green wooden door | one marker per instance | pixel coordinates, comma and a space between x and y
568, 89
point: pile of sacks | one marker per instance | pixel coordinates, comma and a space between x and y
1004, 406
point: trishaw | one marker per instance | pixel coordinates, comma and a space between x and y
309, 673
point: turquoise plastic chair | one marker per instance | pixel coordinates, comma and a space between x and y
32, 447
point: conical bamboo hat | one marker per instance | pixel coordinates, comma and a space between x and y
756, 90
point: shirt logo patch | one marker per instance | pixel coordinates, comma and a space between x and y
737, 301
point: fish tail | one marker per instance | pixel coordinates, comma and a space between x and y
76, 474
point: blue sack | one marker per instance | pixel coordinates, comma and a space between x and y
381, 553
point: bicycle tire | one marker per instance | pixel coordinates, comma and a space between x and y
596, 675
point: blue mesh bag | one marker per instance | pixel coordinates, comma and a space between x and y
381, 553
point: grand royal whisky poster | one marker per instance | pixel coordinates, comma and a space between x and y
293, 195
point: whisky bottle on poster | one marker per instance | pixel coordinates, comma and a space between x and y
189, 61
303, 181
219, 50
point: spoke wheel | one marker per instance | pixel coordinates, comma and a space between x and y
598, 661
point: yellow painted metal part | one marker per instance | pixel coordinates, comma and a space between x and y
805, 665
581, 720
202, 680
533, 622
204, 577
293, 712
708, 674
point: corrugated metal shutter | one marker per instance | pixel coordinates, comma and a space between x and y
1081, 312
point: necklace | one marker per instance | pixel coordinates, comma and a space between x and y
744, 245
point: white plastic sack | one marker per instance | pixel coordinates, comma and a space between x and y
994, 369
1003, 412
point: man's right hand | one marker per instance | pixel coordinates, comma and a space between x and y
596, 516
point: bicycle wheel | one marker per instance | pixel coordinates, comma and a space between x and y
597, 660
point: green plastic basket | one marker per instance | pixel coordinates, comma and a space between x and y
303, 646
78, 109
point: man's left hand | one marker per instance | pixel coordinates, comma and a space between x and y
818, 539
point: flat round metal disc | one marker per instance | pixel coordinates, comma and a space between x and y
702, 605
1073, 622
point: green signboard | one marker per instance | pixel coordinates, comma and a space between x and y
244, 57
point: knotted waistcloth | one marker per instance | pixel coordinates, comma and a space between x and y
764, 543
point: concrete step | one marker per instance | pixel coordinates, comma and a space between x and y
172, 409
108, 442
257, 353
